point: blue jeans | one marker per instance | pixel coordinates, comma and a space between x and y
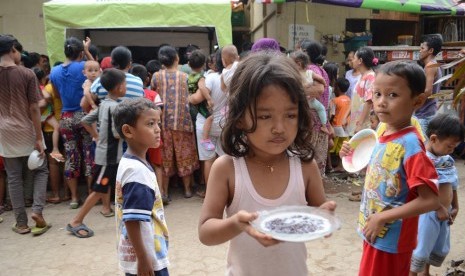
163, 272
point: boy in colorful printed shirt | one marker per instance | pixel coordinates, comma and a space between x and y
141, 227
401, 181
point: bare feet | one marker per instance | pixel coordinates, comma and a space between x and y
39, 219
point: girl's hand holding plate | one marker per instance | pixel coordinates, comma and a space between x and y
244, 218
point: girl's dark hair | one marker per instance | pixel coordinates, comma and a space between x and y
73, 48
367, 55
252, 75
446, 125
167, 55
331, 68
128, 112
218, 62
408, 70
314, 51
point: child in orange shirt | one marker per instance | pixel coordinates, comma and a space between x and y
340, 111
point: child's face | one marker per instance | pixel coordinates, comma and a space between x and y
444, 146
120, 90
349, 59
393, 102
92, 71
277, 122
146, 133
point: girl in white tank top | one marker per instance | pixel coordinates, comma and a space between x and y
269, 164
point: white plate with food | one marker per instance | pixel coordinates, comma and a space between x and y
296, 223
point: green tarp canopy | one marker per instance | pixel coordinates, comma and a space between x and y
447, 7
60, 15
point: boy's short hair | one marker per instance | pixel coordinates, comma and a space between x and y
445, 126
433, 41
111, 78
408, 70
139, 71
128, 112
153, 66
343, 84
197, 59
121, 57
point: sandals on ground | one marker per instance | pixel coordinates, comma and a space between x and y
82, 227
21, 230
58, 157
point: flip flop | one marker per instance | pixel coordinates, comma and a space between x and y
74, 204
108, 215
21, 231
1, 219
75, 230
36, 231
58, 157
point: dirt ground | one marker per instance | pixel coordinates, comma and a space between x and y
59, 253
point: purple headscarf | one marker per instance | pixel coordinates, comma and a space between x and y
266, 44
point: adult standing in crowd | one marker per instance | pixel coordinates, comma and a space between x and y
364, 61
314, 51
352, 75
67, 79
212, 86
179, 153
21, 133
429, 48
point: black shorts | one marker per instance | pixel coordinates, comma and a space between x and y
104, 178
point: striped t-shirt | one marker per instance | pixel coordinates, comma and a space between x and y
134, 88
18, 90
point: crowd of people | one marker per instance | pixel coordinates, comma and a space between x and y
260, 129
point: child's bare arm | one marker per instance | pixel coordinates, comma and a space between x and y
144, 263
88, 122
88, 95
426, 201
213, 228
455, 207
319, 79
92, 130
223, 85
199, 95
